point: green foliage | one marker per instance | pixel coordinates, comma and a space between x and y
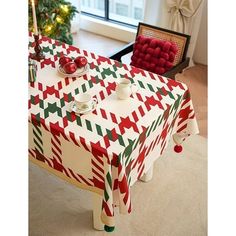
53, 19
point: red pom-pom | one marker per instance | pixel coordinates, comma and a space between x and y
160, 43
166, 46
168, 65
157, 52
152, 66
145, 65
150, 51
144, 48
153, 43
136, 53
141, 55
160, 70
161, 62
134, 58
147, 57
178, 148
139, 47
142, 39
174, 48
139, 62
171, 56
148, 40
154, 60
164, 55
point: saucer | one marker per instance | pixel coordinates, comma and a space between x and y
79, 72
82, 111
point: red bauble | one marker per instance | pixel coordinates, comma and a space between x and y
70, 67
63, 60
178, 148
81, 61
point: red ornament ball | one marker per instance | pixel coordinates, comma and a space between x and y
178, 148
70, 67
63, 60
81, 61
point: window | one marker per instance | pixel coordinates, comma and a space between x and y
138, 13
94, 7
86, 3
128, 12
101, 5
121, 9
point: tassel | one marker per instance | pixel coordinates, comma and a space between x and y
108, 228
178, 148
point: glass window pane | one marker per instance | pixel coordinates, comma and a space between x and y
127, 11
95, 7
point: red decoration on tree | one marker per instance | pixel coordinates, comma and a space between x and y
178, 148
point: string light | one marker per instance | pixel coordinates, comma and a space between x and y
59, 19
48, 28
64, 8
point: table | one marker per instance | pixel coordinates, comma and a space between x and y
109, 149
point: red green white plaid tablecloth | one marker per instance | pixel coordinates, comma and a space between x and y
107, 150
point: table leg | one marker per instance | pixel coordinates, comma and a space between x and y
97, 208
148, 176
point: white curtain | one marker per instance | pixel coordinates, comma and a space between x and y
181, 13
184, 16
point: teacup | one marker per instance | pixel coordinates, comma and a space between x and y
124, 89
84, 101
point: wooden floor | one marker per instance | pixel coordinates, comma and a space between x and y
195, 77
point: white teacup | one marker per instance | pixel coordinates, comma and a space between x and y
124, 89
84, 101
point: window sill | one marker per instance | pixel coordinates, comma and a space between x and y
108, 29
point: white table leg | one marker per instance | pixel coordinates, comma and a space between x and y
97, 208
148, 176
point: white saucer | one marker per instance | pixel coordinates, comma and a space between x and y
82, 111
79, 72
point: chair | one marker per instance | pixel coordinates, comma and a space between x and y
181, 40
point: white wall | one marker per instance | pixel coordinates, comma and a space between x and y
200, 52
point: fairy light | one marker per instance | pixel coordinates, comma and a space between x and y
64, 8
48, 28
59, 19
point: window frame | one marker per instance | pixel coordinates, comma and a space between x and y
106, 17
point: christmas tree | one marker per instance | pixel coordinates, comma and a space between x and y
53, 19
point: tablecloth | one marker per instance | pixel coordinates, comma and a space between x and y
109, 149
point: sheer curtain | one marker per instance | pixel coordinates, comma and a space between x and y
75, 21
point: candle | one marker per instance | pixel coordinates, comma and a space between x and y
34, 18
